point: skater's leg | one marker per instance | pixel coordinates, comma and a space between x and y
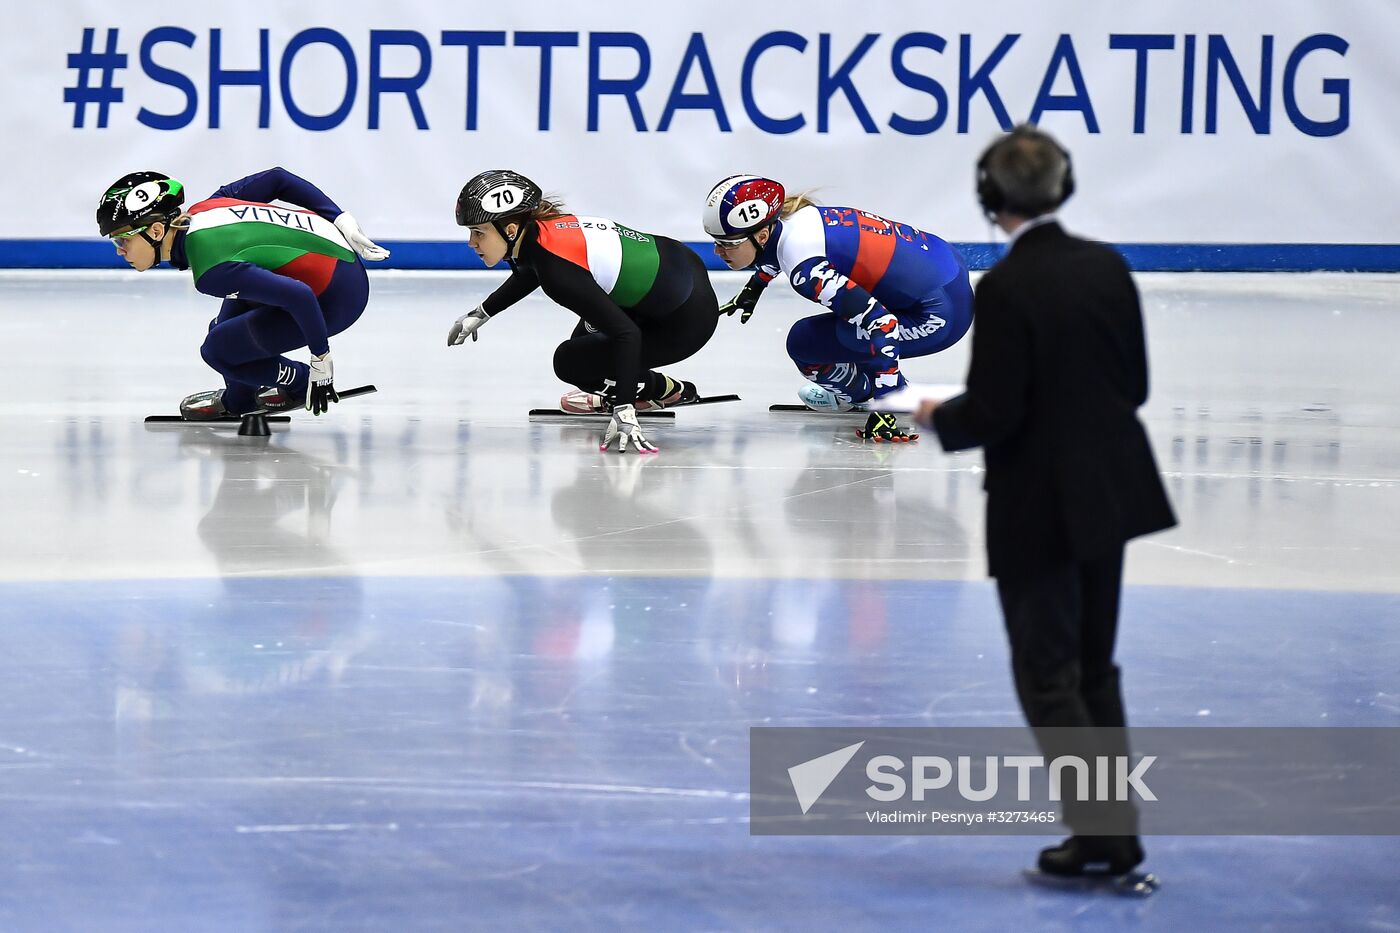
678, 336
246, 342
584, 361
246, 350
815, 344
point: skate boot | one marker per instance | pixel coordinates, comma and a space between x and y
580, 402
277, 398
677, 393
884, 427
821, 398
1092, 855
204, 406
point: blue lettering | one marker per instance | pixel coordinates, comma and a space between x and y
1188, 86
695, 53
409, 86
220, 78
828, 83
778, 126
620, 87
162, 121
1141, 44
1339, 88
1079, 100
1217, 57
919, 82
319, 36
980, 81
240, 212
546, 42
473, 40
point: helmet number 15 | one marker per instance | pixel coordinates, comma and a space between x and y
746, 215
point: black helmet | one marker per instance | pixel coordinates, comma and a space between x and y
137, 200
495, 195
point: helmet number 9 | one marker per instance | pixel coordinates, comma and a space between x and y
142, 195
746, 215
502, 198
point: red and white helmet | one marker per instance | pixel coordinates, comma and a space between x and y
741, 204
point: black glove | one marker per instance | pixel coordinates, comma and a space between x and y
746, 300
883, 427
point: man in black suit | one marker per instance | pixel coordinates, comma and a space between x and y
1059, 369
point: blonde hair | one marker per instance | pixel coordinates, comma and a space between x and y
795, 202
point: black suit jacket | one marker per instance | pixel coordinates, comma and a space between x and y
1059, 368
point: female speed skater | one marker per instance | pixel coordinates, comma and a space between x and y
288, 279
643, 300
890, 291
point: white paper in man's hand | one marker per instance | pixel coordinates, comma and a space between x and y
908, 398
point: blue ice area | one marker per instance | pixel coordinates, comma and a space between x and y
523, 752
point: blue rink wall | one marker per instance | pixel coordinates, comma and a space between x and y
1144, 257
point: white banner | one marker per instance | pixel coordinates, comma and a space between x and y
1251, 121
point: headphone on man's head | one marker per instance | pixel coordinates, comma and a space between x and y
994, 200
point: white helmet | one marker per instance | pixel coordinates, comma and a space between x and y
741, 204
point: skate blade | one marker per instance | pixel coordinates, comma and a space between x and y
594, 415
667, 412
1131, 884
238, 419
804, 410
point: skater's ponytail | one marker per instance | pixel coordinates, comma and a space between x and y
551, 205
795, 202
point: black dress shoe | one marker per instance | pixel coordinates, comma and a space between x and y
1092, 855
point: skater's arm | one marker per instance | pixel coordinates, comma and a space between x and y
998, 379
522, 281
278, 184
815, 280
573, 287
258, 285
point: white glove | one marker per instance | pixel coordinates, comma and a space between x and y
361, 244
624, 428
320, 391
467, 325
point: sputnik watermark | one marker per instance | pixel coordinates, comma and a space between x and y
1115, 778
1178, 780
933, 772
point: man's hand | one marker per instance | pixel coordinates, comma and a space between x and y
363, 246
923, 415
466, 326
320, 393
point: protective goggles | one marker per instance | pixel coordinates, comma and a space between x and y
730, 242
120, 237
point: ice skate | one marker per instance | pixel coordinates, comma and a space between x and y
822, 398
204, 406
580, 402
681, 393
1093, 863
277, 398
